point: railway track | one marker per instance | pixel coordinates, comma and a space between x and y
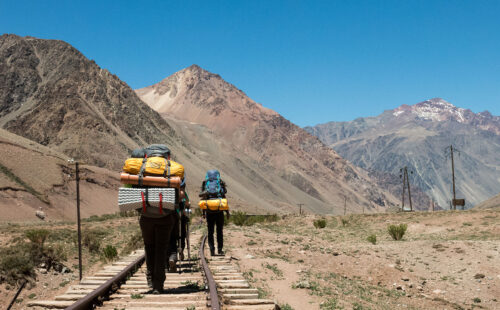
200, 283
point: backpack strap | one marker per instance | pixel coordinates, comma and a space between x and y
166, 172
143, 168
143, 203
159, 205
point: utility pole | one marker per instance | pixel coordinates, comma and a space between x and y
453, 177
406, 183
409, 191
78, 219
345, 204
300, 207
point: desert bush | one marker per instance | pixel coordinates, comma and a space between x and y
240, 218
286, 307
330, 304
63, 235
92, 240
372, 239
344, 221
134, 242
16, 264
109, 252
37, 236
320, 223
397, 231
54, 255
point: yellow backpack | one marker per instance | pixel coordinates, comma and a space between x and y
154, 166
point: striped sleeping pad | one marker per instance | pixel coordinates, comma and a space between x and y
132, 198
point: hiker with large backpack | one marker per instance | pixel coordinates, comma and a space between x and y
213, 191
153, 184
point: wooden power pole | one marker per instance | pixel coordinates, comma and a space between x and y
406, 184
300, 207
453, 178
345, 204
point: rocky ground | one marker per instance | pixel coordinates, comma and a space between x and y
446, 260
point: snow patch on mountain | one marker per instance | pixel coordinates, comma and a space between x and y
434, 109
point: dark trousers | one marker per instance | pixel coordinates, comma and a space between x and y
156, 233
212, 220
172, 248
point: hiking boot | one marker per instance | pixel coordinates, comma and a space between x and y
157, 291
221, 253
172, 263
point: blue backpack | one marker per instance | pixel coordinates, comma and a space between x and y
213, 184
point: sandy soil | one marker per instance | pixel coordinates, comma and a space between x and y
447, 260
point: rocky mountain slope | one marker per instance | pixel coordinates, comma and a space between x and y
54, 96
492, 203
417, 136
282, 162
34, 177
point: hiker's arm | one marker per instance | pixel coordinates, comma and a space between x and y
224, 189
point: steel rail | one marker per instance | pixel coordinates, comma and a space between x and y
212, 287
87, 302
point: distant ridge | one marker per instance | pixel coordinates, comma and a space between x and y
416, 136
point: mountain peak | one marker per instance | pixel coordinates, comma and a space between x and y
193, 93
436, 109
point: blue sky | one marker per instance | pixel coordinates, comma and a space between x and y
312, 61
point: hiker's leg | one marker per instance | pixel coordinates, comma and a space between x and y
211, 224
163, 230
220, 228
147, 230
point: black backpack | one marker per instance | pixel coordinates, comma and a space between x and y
154, 150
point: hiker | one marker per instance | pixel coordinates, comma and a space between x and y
157, 230
182, 219
213, 187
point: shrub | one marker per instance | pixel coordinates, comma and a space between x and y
110, 252
240, 218
345, 222
16, 264
321, 223
286, 307
54, 255
137, 296
330, 304
92, 240
372, 239
37, 236
134, 242
397, 231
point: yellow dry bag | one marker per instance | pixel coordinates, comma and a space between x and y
154, 166
219, 204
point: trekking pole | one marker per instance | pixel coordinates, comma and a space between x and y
187, 239
179, 248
